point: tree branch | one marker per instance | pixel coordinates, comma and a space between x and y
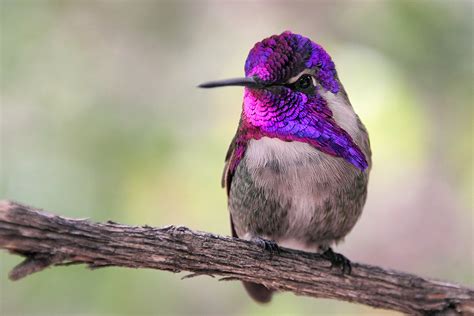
46, 240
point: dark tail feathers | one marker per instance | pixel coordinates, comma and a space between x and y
258, 292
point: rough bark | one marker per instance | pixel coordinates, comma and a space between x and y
46, 240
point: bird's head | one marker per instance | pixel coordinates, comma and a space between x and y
291, 90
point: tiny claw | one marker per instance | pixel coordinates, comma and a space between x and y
338, 260
267, 245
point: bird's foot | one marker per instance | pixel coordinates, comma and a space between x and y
338, 260
267, 245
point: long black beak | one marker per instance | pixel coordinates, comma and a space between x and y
243, 82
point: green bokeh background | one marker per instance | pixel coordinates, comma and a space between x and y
100, 118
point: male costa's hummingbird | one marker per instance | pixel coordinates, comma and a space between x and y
297, 169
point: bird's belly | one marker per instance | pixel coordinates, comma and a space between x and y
295, 195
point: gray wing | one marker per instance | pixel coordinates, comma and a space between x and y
227, 174
227, 179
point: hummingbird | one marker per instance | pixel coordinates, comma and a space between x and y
297, 169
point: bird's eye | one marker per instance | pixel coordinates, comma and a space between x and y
304, 82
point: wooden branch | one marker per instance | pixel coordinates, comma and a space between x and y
46, 240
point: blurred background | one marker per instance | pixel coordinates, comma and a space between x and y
100, 118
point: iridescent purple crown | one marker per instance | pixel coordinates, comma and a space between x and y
280, 57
